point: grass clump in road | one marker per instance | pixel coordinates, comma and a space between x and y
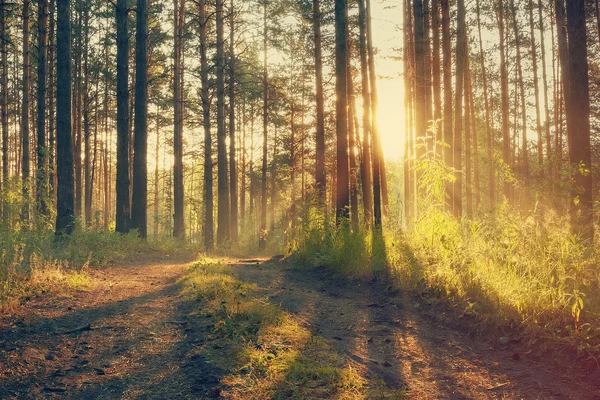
267, 353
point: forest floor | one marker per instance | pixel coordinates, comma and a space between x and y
135, 334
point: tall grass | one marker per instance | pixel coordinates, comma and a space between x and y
528, 276
28, 260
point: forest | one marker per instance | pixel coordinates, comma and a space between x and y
299, 199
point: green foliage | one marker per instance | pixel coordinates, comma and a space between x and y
322, 244
267, 353
25, 256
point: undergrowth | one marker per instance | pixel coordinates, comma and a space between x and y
267, 352
525, 276
33, 262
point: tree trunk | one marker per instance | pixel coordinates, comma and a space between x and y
545, 86
223, 228
51, 185
25, 117
540, 142
41, 192
262, 241
488, 120
341, 113
447, 77
4, 106
504, 94
525, 151
208, 163
351, 143
178, 190
233, 179
421, 91
86, 119
156, 175
468, 137
139, 201
435, 60
320, 178
578, 121
123, 213
378, 169
65, 207
366, 102
461, 48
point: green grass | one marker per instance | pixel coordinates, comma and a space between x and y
33, 262
267, 353
526, 276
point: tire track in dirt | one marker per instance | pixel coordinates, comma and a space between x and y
391, 339
130, 337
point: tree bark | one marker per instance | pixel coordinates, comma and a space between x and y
178, 190
578, 121
461, 48
320, 178
65, 207
41, 192
366, 102
123, 206
447, 78
341, 113
504, 95
208, 163
223, 228
262, 240
140, 166
4, 106
25, 116
233, 178
545, 86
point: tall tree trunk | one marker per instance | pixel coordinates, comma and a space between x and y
435, 64
447, 77
578, 121
545, 86
320, 178
243, 167
525, 151
378, 169
504, 94
178, 191
540, 141
421, 90
77, 111
223, 228
208, 163
474, 135
139, 201
366, 122
25, 116
86, 119
461, 48
233, 179
41, 108
351, 143
488, 120
262, 241
156, 175
341, 110
123, 210
65, 207
4, 105
51, 106
468, 137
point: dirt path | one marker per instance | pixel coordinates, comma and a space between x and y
135, 336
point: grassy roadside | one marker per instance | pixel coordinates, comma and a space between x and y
267, 353
523, 277
33, 263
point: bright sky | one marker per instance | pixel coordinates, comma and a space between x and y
387, 38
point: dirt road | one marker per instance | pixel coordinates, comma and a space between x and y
134, 336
